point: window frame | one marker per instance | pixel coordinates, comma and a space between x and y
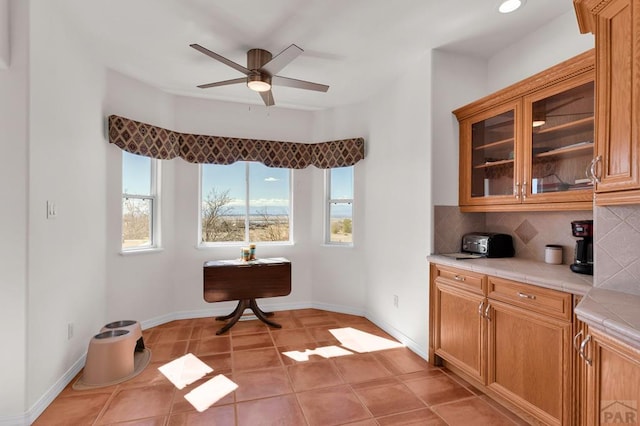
327, 208
154, 197
247, 191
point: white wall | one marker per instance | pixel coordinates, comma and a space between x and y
5, 51
339, 274
66, 165
139, 286
14, 211
457, 81
397, 204
552, 43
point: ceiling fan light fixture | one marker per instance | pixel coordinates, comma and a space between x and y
508, 6
259, 83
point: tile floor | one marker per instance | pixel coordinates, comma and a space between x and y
389, 387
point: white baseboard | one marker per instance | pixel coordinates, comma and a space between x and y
38, 408
51, 394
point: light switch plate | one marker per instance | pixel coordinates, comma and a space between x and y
51, 210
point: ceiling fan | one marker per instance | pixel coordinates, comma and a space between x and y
261, 71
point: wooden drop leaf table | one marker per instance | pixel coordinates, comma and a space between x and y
246, 281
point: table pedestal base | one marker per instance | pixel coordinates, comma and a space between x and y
239, 310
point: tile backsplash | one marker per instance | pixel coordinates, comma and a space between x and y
617, 248
531, 231
616, 241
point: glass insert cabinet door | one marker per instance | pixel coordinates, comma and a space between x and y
559, 137
491, 170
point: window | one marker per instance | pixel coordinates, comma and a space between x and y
140, 203
339, 206
244, 202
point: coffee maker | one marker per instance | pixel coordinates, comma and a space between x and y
583, 260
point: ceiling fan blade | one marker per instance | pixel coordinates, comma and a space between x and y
298, 84
223, 83
221, 59
267, 98
281, 60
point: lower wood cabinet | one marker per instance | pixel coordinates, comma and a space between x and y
611, 393
511, 339
461, 332
530, 362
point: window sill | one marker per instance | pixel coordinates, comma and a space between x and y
332, 245
141, 251
240, 245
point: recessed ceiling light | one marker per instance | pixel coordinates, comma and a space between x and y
508, 6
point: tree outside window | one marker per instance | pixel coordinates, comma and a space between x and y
244, 202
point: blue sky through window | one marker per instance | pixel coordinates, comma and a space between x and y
342, 183
136, 174
269, 187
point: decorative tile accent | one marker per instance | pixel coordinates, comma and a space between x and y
526, 232
152, 141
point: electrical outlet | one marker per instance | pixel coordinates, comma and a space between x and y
69, 331
395, 300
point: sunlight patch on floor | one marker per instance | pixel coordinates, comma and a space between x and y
362, 342
208, 393
351, 338
185, 370
324, 351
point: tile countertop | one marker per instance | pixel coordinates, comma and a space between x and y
615, 313
556, 277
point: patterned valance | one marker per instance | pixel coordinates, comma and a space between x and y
151, 141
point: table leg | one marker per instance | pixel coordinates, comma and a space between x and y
232, 314
262, 316
235, 315
256, 307
239, 310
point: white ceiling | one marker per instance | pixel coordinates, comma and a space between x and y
353, 46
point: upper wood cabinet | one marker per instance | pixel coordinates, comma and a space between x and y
530, 146
616, 25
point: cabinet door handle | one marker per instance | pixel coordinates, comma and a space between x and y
480, 308
526, 296
486, 312
524, 190
575, 340
583, 346
516, 190
458, 278
593, 168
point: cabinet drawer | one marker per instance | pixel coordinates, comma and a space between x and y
467, 280
537, 299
